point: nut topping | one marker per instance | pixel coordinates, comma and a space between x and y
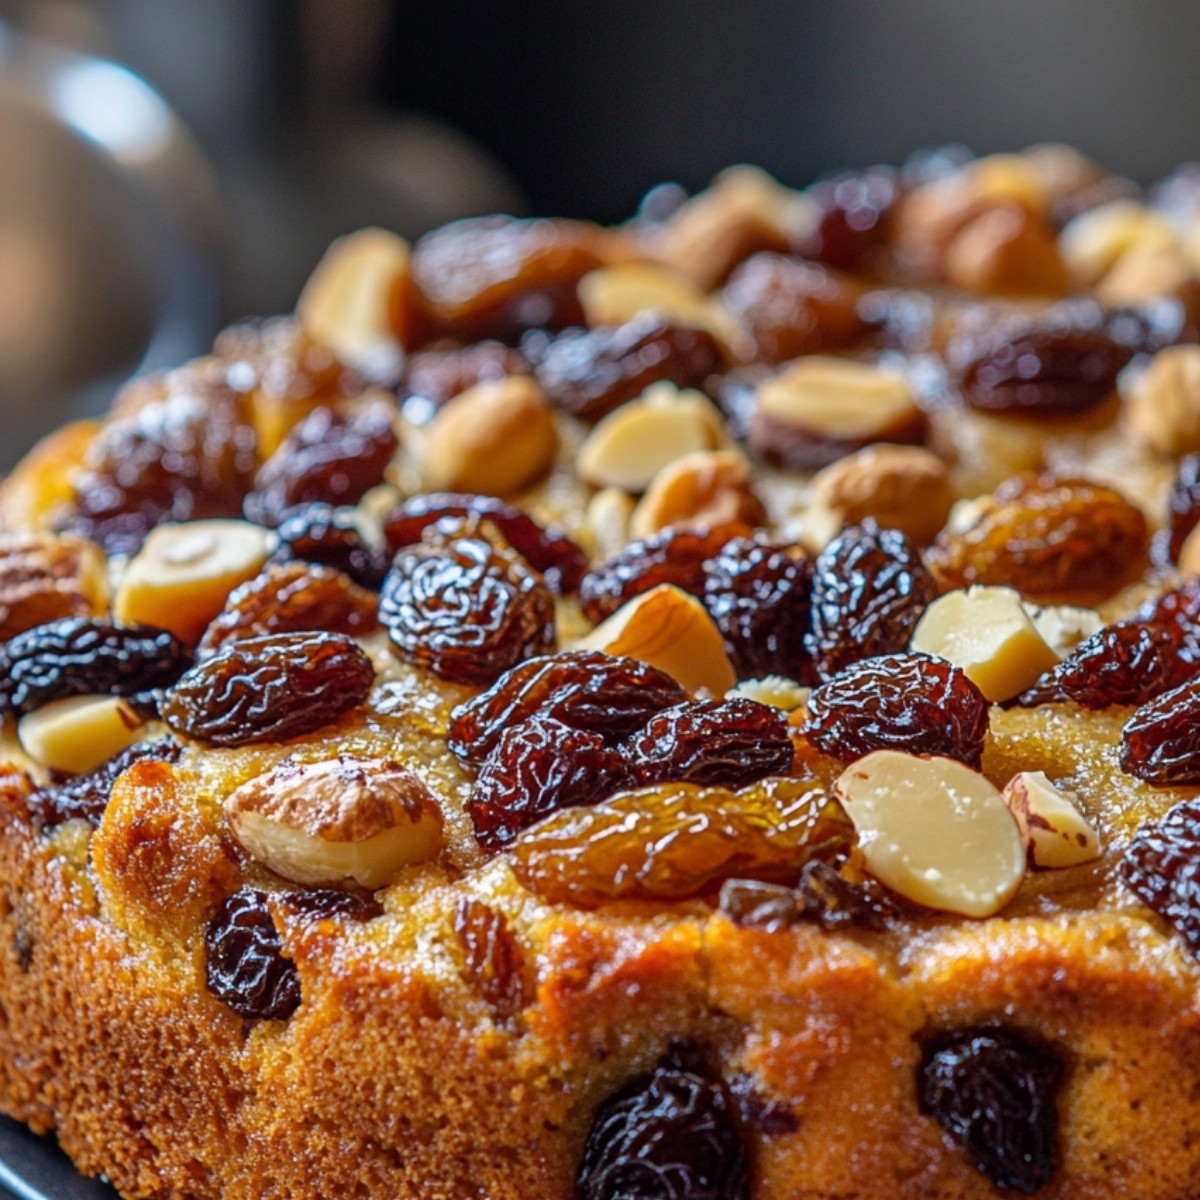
1056, 832
78, 734
704, 490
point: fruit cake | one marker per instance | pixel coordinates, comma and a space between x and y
707, 708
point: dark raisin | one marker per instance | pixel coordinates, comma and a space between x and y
87, 796
836, 902
334, 457
1184, 503
1162, 868
853, 211
771, 1118
915, 703
590, 372
585, 689
318, 904
561, 561
269, 689
76, 656
1161, 741
434, 376
1178, 612
869, 589
994, 1092
759, 595
320, 533
730, 742
465, 609
244, 963
493, 961
755, 904
669, 1135
674, 555
537, 768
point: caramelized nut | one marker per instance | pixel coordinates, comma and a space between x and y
493, 439
631, 445
76, 735
343, 820
987, 632
901, 487
701, 490
668, 629
43, 577
935, 831
1164, 410
183, 574
1056, 833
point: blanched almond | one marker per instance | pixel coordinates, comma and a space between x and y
935, 831
78, 734
183, 574
668, 629
631, 445
1055, 831
346, 819
44, 577
708, 488
987, 632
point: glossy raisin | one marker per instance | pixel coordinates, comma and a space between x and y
244, 963
678, 840
1178, 612
560, 561
331, 457
87, 796
915, 703
585, 689
1051, 538
759, 596
793, 307
1184, 503
78, 656
269, 689
432, 377
537, 768
824, 896
674, 555
590, 372
320, 533
1162, 868
869, 589
730, 742
994, 1092
853, 218
493, 961
466, 610
296, 597
320, 904
669, 1135
1161, 741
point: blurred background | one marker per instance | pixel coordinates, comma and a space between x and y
168, 165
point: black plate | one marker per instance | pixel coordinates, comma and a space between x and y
34, 1168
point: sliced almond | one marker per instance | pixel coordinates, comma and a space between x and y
668, 629
987, 632
344, 820
935, 831
1055, 831
705, 489
44, 577
183, 574
78, 734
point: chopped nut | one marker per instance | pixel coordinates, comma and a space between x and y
1164, 411
668, 629
1064, 626
342, 820
607, 521
632, 444
43, 577
775, 690
183, 574
1093, 243
78, 734
1056, 833
493, 439
705, 489
987, 632
901, 487
1006, 251
934, 830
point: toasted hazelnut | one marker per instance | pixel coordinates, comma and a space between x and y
1056, 833
345, 302
43, 577
668, 629
343, 820
775, 690
901, 487
934, 830
1164, 410
78, 734
183, 574
1064, 626
1093, 243
1006, 251
607, 521
987, 632
633, 443
710, 487
494, 439
743, 211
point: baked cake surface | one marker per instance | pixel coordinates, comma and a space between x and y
699, 709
